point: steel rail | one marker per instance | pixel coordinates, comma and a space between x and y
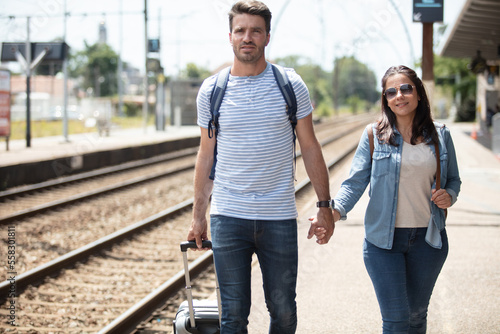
142, 310
129, 320
96, 173
37, 274
55, 265
97, 192
87, 195
18, 191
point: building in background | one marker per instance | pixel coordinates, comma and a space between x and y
476, 36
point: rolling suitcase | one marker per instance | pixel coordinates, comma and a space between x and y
197, 316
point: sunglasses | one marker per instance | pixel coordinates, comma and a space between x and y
405, 89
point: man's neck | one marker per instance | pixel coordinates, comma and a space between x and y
240, 69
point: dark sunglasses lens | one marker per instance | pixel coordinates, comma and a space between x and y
391, 93
406, 89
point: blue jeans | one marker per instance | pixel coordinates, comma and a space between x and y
234, 241
404, 277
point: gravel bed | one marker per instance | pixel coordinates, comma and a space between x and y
88, 296
27, 201
48, 236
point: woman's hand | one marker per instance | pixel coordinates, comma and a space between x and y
319, 231
441, 198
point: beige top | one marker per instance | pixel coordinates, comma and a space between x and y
418, 170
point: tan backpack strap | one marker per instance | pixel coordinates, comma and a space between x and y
369, 129
438, 169
438, 173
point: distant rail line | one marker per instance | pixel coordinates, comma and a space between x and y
123, 270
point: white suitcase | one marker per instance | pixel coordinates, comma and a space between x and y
197, 316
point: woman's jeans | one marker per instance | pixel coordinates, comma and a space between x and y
234, 241
403, 278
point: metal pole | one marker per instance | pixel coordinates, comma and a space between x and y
120, 64
28, 84
427, 52
65, 72
428, 60
160, 96
146, 88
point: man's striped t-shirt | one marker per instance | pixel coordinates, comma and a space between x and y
254, 172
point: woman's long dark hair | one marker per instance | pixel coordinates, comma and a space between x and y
422, 126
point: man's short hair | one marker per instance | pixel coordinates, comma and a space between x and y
252, 7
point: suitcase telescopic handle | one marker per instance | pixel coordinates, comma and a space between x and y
185, 245
192, 244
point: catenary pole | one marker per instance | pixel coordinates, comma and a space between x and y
146, 88
28, 84
65, 88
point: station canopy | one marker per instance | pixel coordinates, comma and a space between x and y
477, 29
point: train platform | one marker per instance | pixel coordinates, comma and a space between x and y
45, 148
52, 157
335, 294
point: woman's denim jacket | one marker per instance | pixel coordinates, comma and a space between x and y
383, 176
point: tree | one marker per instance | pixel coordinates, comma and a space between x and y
315, 78
453, 74
97, 65
195, 72
353, 79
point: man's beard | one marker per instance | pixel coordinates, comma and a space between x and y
248, 57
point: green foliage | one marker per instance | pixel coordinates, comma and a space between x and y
97, 65
316, 79
132, 109
41, 129
350, 83
195, 72
352, 78
454, 75
355, 103
323, 110
466, 112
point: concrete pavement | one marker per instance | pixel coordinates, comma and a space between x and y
335, 294
47, 148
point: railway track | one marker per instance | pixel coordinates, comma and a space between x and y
111, 279
59, 192
56, 193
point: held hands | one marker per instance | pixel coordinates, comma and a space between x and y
441, 198
322, 226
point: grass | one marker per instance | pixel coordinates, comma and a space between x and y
55, 128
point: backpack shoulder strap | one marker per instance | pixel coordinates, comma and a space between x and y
438, 171
438, 127
215, 103
286, 89
438, 167
216, 99
369, 129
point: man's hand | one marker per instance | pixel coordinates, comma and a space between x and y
198, 232
322, 226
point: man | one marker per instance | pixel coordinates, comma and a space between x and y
253, 203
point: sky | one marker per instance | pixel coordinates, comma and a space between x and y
379, 33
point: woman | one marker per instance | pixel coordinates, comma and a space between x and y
405, 238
